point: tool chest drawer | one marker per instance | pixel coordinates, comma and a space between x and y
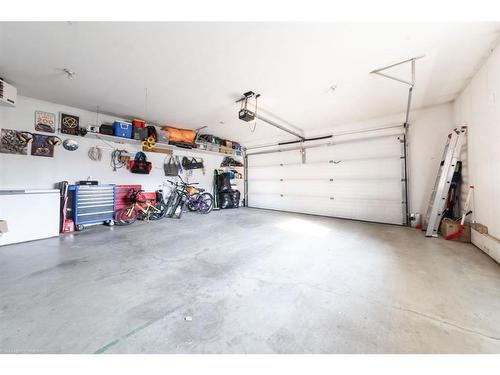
93, 204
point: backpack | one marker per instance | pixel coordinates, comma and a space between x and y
140, 164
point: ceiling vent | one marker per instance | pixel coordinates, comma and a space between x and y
8, 94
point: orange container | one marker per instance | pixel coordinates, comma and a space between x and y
180, 135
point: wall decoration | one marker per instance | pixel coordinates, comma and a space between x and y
45, 122
69, 124
70, 144
11, 143
41, 145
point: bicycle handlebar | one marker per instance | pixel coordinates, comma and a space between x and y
183, 183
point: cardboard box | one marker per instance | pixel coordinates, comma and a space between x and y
3, 227
449, 226
480, 228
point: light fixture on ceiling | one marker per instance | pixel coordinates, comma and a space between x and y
69, 73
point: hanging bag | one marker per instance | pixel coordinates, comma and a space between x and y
171, 167
191, 163
195, 164
140, 164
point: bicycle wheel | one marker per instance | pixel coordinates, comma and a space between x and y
180, 204
205, 203
192, 203
171, 202
158, 211
126, 216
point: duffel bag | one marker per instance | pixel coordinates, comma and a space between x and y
191, 163
180, 135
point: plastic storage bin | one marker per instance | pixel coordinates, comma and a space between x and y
140, 134
123, 129
139, 123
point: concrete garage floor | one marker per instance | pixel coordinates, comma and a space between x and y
253, 281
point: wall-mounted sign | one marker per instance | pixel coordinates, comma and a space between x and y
69, 124
45, 122
12, 143
41, 146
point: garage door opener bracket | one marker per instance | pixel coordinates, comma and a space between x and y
404, 169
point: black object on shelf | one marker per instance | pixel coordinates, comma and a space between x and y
230, 162
87, 182
107, 129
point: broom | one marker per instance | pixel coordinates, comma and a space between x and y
461, 226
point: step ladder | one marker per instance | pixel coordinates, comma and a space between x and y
451, 156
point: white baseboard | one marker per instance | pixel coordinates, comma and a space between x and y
490, 245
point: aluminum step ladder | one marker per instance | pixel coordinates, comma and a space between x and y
451, 156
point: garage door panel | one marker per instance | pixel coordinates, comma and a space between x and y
374, 189
369, 149
263, 187
364, 169
369, 210
275, 158
361, 169
356, 180
360, 209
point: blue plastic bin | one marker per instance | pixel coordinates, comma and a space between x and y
123, 129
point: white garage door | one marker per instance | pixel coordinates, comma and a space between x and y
360, 179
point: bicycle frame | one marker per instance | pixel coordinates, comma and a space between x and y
145, 210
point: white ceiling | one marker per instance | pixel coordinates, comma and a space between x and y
193, 72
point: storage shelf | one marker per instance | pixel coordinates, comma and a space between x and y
120, 140
112, 138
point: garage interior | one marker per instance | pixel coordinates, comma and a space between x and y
194, 187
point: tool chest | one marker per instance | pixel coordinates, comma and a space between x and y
92, 204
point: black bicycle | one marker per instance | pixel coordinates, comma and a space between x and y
187, 195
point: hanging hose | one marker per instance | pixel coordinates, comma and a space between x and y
118, 159
95, 153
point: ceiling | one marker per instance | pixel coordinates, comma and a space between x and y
193, 72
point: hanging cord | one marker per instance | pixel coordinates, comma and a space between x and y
255, 123
95, 153
118, 159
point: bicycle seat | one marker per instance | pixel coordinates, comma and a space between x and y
201, 190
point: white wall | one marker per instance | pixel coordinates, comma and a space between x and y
426, 140
478, 107
26, 171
